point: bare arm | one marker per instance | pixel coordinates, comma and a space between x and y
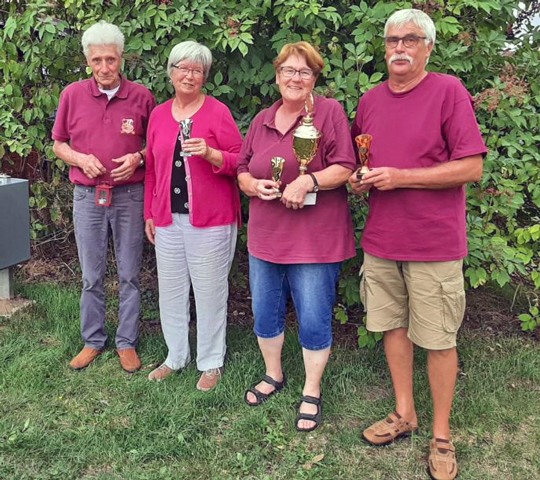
446, 175
89, 164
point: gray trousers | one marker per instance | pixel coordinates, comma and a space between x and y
93, 224
202, 257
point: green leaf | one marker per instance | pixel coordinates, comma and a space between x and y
218, 78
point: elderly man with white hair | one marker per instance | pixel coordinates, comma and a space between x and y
100, 133
426, 145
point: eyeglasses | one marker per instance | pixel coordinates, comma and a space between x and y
197, 72
409, 41
289, 72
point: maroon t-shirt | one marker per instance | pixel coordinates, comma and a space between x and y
320, 233
424, 127
92, 124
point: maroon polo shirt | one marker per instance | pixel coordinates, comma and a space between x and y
321, 233
432, 124
92, 124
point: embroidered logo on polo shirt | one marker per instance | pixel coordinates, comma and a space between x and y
127, 126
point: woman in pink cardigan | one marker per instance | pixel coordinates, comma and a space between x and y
192, 210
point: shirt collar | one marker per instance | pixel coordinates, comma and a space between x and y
270, 117
121, 93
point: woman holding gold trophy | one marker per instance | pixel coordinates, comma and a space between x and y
294, 163
192, 208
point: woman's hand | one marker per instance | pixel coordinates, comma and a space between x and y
265, 189
295, 192
199, 147
150, 231
196, 146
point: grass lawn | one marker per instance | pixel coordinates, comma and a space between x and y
102, 423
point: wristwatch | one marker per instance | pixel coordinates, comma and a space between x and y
141, 163
316, 187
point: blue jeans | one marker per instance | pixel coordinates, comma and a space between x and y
312, 287
93, 225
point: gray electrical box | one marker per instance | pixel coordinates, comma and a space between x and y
14, 222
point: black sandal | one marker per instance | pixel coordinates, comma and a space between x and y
317, 418
262, 397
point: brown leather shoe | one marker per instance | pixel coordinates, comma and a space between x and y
85, 357
388, 430
129, 360
442, 464
209, 379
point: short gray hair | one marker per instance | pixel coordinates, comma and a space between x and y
102, 33
416, 17
192, 52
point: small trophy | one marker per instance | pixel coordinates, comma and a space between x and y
277, 170
185, 129
363, 142
306, 140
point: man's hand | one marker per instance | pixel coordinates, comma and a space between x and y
150, 231
90, 165
295, 192
383, 178
356, 186
129, 163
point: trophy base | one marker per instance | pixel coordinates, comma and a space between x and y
186, 154
311, 199
279, 195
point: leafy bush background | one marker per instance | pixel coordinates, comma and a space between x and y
482, 42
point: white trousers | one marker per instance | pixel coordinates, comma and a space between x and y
201, 257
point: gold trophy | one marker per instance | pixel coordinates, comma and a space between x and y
277, 170
306, 140
363, 142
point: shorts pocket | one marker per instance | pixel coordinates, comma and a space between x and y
453, 300
363, 288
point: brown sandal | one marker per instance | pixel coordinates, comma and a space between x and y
389, 430
442, 460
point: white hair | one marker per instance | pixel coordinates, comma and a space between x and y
418, 18
102, 33
192, 52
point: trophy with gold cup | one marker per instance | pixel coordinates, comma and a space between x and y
277, 170
306, 140
363, 142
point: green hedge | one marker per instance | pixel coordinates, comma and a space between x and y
40, 54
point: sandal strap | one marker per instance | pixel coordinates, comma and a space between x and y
307, 416
273, 382
261, 397
310, 399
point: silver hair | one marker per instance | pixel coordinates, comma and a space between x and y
416, 17
102, 33
192, 52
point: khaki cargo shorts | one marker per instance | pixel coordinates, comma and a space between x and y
427, 298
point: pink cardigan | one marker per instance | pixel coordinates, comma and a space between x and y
212, 192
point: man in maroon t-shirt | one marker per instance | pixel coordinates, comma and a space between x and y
425, 147
99, 131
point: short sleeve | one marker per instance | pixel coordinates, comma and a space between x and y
339, 149
61, 124
460, 128
246, 151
